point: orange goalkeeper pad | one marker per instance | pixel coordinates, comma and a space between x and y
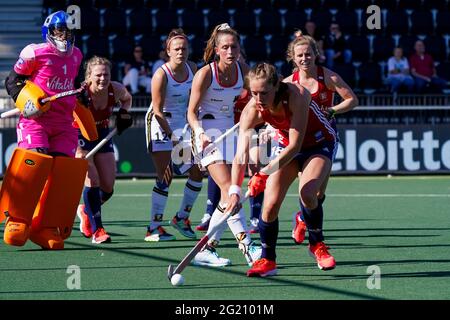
61, 196
23, 182
85, 121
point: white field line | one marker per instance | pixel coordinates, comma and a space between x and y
337, 195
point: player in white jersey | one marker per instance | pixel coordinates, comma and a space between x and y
165, 121
215, 89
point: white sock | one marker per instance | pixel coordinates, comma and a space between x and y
159, 201
237, 224
191, 192
217, 214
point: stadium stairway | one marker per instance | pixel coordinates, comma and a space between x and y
21, 25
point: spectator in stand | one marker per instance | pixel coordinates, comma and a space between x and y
424, 71
311, 30
336, 47
137, 72
398, 72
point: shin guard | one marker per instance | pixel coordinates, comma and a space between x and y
22, 186
58, 204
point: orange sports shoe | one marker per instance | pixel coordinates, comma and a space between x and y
100, 236
85, 223
262, 268
299, 231
325, 260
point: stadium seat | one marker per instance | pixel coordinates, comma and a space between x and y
193, 22
216, 17
410, 4
234, 4
348, 21
443, 22
103, 4
132, 4
278, 46
334, 4
151, 45
122, 48
244, 21
294, 20
140, 21
183, 4
90, 21
209, 4
197, 45
323, 19
397, 22
362, 4
285, 4
346, 72
283, 67
443, 71
158, 4
370, 77
166, 20
310, 4
360, 47
259, 4
407, 43
95, 45
115, 21
81, 3
383, 47
270, 22
435, 46
422, 22
255, 47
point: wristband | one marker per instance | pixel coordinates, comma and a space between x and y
234, 189
331, 112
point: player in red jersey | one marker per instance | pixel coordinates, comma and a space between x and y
323, 84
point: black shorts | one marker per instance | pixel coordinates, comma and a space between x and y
89, 145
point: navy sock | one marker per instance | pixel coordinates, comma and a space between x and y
268, 232
314, 222
321, 201
213, 196
105, 196
92, 202
256, 205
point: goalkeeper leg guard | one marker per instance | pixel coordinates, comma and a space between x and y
55, 213
22, 186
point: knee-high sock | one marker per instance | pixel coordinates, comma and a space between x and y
213, 196
314, 221
191, 192
105, 196
321, 201
92, 203
159, 200
268, 232
237, 226
256, 205
215, 237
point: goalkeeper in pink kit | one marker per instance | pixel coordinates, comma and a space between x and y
43, 181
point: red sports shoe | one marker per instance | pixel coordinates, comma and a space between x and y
100, 236
325, 260
204, 223
298, 233
85, 224
262, 268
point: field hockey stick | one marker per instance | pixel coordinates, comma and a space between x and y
201, 243
101, 144
60, 95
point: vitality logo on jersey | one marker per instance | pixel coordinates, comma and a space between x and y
56, 84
